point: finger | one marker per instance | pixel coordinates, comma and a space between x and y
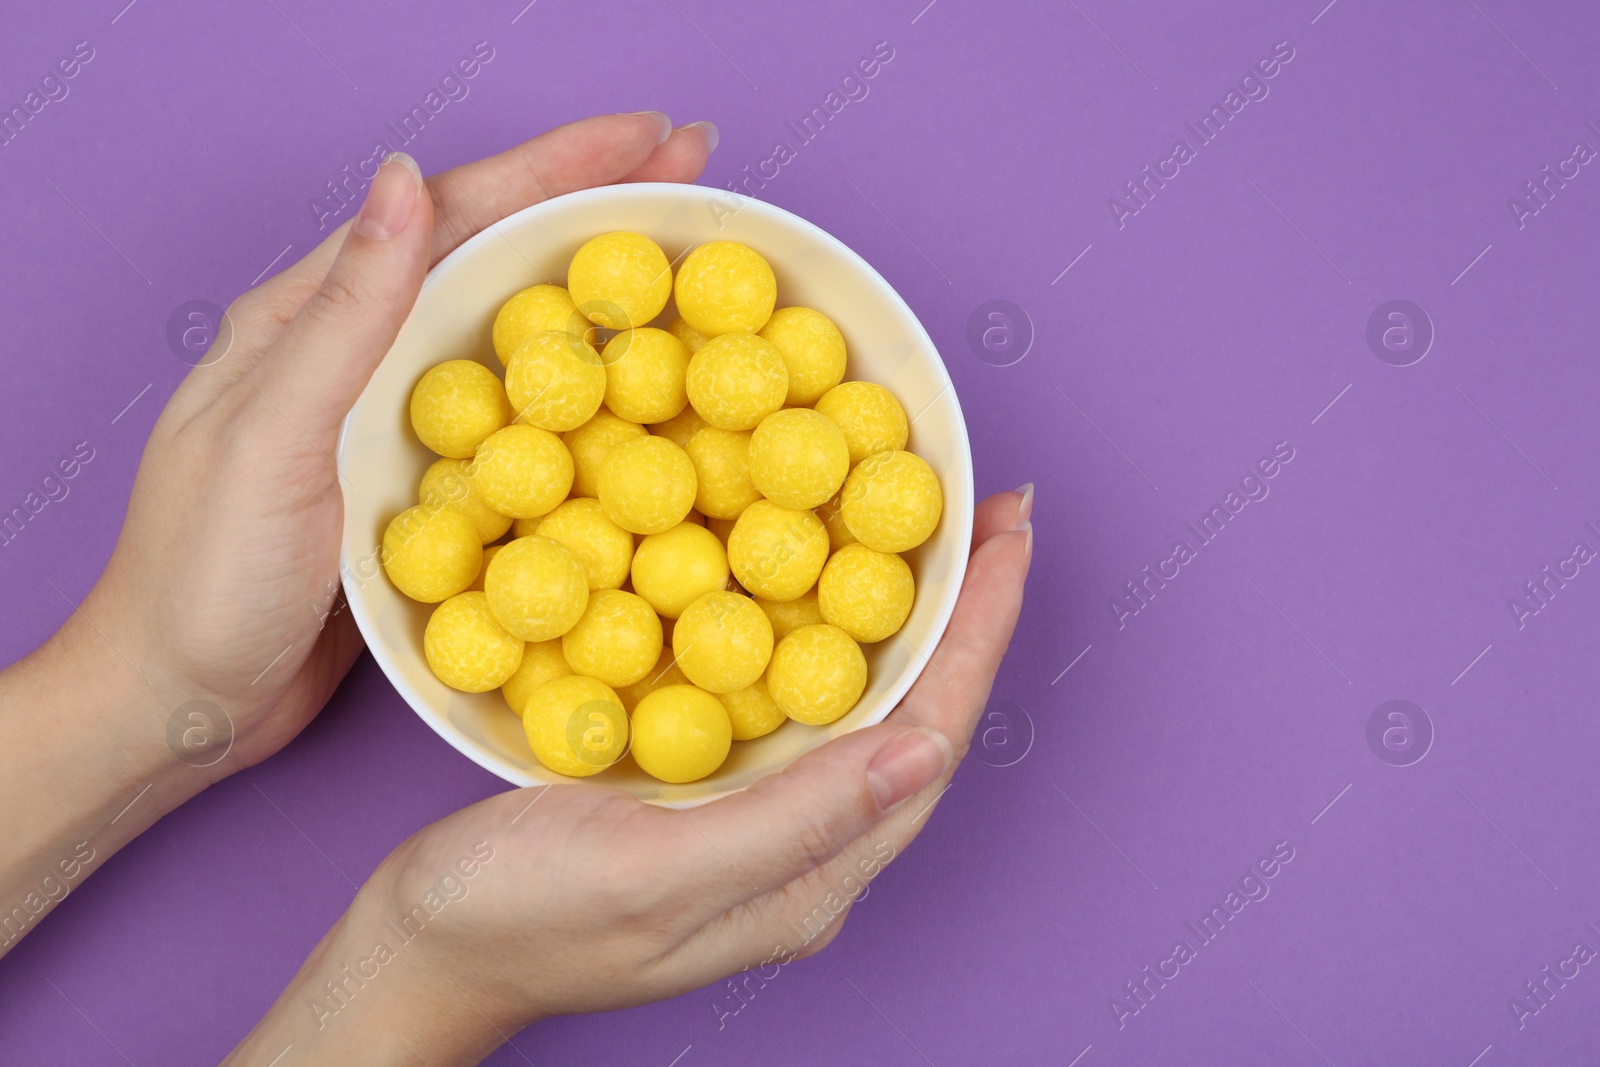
328, 351
1002, 512
579, 155
951, 692
681, 157
790, 823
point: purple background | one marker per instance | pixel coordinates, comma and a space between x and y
1222, 319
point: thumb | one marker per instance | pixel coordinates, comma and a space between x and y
325, 355
786, 825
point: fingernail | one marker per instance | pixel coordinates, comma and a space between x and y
663, 123
907, 765
391, 198
708, 130
1025, 509
1027, 545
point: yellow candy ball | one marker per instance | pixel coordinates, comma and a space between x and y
721, 461
813, 349
522, 471
752, 711
617, 640
536, 588
892, 501
576, 726
680, 733
488, 554
737, 380
555, 381
798, 458
456, 405
870, 417
534, 310
466, 648
692, 338
673, 569
866, 593
645, 372
722, 642
724, 286
604, 548
431, 554
817, 674
647, 485
831, 512
620, 280
680, 427
591, 443
541, 663
777, 552
446, 484
787, 616
665, 672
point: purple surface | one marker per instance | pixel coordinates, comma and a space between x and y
1228, 315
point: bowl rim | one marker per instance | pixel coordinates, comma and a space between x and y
366, 622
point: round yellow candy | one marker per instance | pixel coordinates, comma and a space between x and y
541, 663
446, 484
665, 672
555, 381
591, 443
620, 280
831, 512
892, 501
736, 380
866, 593
466, 648
680, 427
604, 548
456, 405
777, 552
871, 418
522, 471
645, 371
576, 726
692, 338
722, 641
673, 569
680, 733
721, 461
817, 674
798, 458
647, 485
431, 554
488, 554
788, 616
617, 640
724, 286
534, 310
536, 588
752, 711
813, 349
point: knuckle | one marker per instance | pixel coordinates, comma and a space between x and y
334, 298
815, 839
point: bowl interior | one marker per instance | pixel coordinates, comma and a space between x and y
381, 460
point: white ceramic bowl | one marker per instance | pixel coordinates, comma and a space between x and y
381, 460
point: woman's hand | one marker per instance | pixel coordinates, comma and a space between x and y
577, 898
214, 622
